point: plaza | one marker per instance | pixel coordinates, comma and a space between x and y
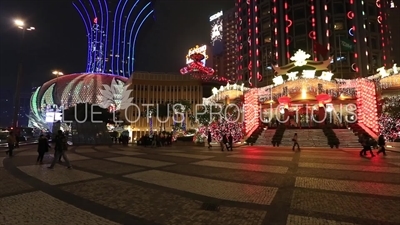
193, 185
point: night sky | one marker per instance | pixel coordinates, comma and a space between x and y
59, 41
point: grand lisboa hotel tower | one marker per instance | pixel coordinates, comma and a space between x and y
112, 28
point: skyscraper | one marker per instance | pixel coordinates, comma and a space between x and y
224, 44
354, 32
112, 28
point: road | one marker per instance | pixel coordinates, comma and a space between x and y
252, 185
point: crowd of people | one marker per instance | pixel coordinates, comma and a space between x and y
155, 140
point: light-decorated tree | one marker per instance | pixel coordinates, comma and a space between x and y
228, 122
389, 121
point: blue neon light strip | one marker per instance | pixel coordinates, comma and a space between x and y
134, 40
89, 33
119, 36
101, 35
96, 41
106, 54
113, 42
126, 25
132, 47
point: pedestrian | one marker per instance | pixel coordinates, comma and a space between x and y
209, 139
381, 143
225, 141
59, 149
11, 141
230, 140
367, 146
295, 142
222, 142
43, 147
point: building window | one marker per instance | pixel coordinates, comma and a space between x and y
338, 26
300, 29
299, 14
338, 8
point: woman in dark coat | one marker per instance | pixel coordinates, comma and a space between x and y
43, 147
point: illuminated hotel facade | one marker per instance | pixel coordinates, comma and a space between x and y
353, 32
159, 88
224, 44
112, 28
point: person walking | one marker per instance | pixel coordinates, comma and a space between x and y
11, 141
295, 142
230, 140
222, 142
381, 143
60, 149
366, 146
209, 139
43, 147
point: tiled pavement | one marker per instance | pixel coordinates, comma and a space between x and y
193, 186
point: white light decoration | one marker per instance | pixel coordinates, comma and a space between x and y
326, 75
235, 86
278, 80
216, 30
215, 91
395, 69
216, 15
300, 58
292, 75
242, 87
310, 74
382, 72
198, 49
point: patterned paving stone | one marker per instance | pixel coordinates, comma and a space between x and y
27, 153
37, 208
300, 220
160, 207
259, 178
351, 167
346, 205
85, 150
212, 188
10, 184
140, 162
72, 157
167, 158
126, 153
107, 166
262, 157
193, 156
327, 158
244, 166
267, 151
99, 154
218, 151
348, 175
58, 175
349, 186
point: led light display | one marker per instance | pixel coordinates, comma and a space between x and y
112, 29
198, 49
251, 111
69, 90
367, 110
216, 30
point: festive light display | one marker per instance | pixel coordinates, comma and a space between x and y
112, 28
367, 112
197, 69
390, 123
216, 27
69, 90
300, 58
202, 50
227, 126
251, 111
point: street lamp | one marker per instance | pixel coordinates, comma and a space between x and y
21, 25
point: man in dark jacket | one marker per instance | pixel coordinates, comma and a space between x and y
230, 140
60, 149
382, 143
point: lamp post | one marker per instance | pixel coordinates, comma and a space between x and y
22, 26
